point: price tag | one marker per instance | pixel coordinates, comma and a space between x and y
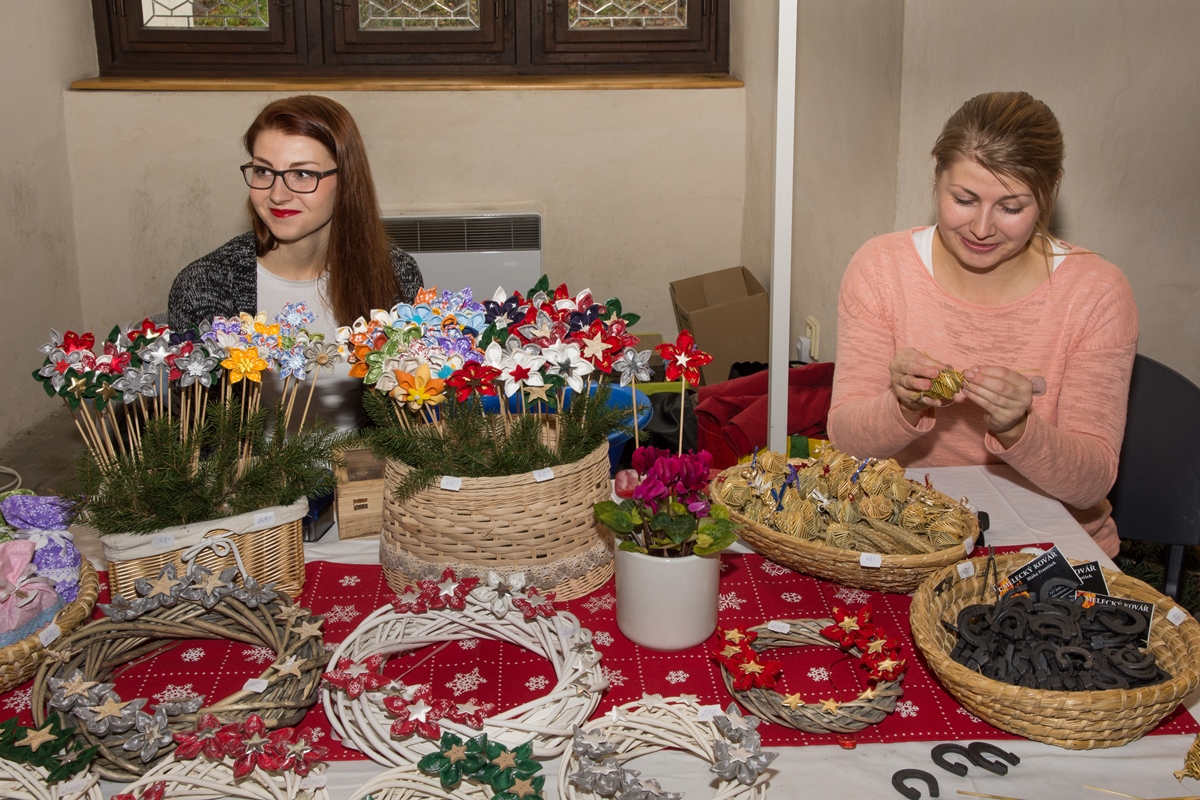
1176, 616
52, 632
73, 787
779, 626
450, 483
966, 570
709, 713
968, 545
540, 475
872, 560
264, 519
163, 540
313, 781
256, 685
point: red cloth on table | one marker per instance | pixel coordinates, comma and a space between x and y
731, 416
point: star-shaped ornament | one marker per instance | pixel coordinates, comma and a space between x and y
211, 583
76, 686
290, 667
751, 668
793, 701
595, 347
876, 645
106, 392
616, 714
651, 700
468, 708
419, 710
523, 787
868, 694
456, 753
506, 760
733, 635
36, 737
887, 664
109, 708
537, 393
308, 630
730, 651
163, 585
849, 624
289, 614
830, 705
78, 386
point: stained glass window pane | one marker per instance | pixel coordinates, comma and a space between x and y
417, 15
205, 13
626, 14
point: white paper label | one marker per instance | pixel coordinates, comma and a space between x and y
966, 570
1176, 616
709, 713
264, 520
313, 781
52, 632
540, 475
968, 545
872, 560
778, 626
256, 685
73, 787
450, 483
163, 540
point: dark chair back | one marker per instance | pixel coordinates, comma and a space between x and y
1157, 494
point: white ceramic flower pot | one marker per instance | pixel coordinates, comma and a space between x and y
667, 603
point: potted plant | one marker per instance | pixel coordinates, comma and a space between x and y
668, 562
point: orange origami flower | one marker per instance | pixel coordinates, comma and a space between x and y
419, 388
244, 364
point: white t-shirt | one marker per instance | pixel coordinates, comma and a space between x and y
923, 239
337, 397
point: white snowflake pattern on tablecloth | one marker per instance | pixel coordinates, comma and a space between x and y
907, 708
103, 586
259, 654
602, 638
537, 683
791, 597
175, 692
771, 568
466, 681
350, 580
725, 566
341, 614
315, 733
676, 676
600, 602
192, 654
331, 646
818, 674
614, 676
468, 644
854, 597
728, 600
19, 701
968, 714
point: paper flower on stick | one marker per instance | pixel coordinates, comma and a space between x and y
473, 378
244, 363
419, 388
355, 678
633, 365
565, 361
683, 359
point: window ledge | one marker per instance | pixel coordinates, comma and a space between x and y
480, 83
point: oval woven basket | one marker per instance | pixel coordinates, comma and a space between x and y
1074, 720
19, 660
545, 530
897, 574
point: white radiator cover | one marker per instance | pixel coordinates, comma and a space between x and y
480, 251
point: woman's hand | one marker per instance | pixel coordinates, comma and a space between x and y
1005, 397
912, 373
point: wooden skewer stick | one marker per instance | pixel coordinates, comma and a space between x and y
682, 403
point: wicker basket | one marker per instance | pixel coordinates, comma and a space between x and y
900, 574
19, 660
270, 541
506, 525
1074, 720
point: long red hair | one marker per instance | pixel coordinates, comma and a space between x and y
358, 262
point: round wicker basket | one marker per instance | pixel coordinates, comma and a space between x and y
1074, 720
19, 660
515, 523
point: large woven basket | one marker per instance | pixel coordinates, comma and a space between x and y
19, 660
1074, 720
900, 574
545, 530
270, 541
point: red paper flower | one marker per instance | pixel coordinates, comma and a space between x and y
416, 715
73, 341
598, 346
412, 601
888, 668
449, 592
202, 740
297, 748
733, 653
473, 377
850, 629
147, 329
532, 604
750, 671
355, 678
471, 713
250, 747
683, 359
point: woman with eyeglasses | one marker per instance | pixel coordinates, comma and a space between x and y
317, 235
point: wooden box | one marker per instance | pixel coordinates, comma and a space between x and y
359, 495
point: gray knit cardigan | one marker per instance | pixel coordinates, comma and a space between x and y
225, 283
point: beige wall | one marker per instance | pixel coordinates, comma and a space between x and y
43, 46
1122, 76
637, 188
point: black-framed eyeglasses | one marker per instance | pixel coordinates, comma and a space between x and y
301, 181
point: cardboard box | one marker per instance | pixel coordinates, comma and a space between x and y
360, 495
728, 313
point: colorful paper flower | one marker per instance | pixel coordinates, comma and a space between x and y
321, 355
244, 363
419, 388
473, 378
415, 715
250, 747
533, 605
633, 365
297, 749
565, 362
454, 759
410, 601
189, 744
850, 628
683, 359
471, 713
354, 678
448, 592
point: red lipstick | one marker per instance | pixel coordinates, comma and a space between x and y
280, 213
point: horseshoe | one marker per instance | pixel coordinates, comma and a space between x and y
1064, 662
981, 750
939, 753
1054, 605
903, 775
1058, 626
1135, 623
1054, 583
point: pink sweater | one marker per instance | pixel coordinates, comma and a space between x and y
1078, 330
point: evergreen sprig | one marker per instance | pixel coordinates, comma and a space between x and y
206, 475
471, 444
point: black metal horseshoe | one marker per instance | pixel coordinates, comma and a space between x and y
939, 753
981, 750
903, 775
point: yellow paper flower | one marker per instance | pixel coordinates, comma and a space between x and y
244, 364
248, 322
420, 388
266, 330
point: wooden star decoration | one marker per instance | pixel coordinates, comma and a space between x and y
793, 701
211, 583
290, 614
849, 624
536, 393
106, 392
36, 737
76, 686
523, 787
468, 708
868, 694
876, 645
506, 760
163, 585
290, 667
733, 635
109, 708
887, 665
308, 630
78, 386
595, 347
830, 706
751, 668
731, 650
456, 753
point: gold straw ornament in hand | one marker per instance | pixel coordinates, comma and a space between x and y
945, 385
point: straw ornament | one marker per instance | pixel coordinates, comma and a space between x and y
945, 385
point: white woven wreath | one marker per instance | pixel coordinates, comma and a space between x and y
26, 781
205, 779
446, 610
406, 782
729, 743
